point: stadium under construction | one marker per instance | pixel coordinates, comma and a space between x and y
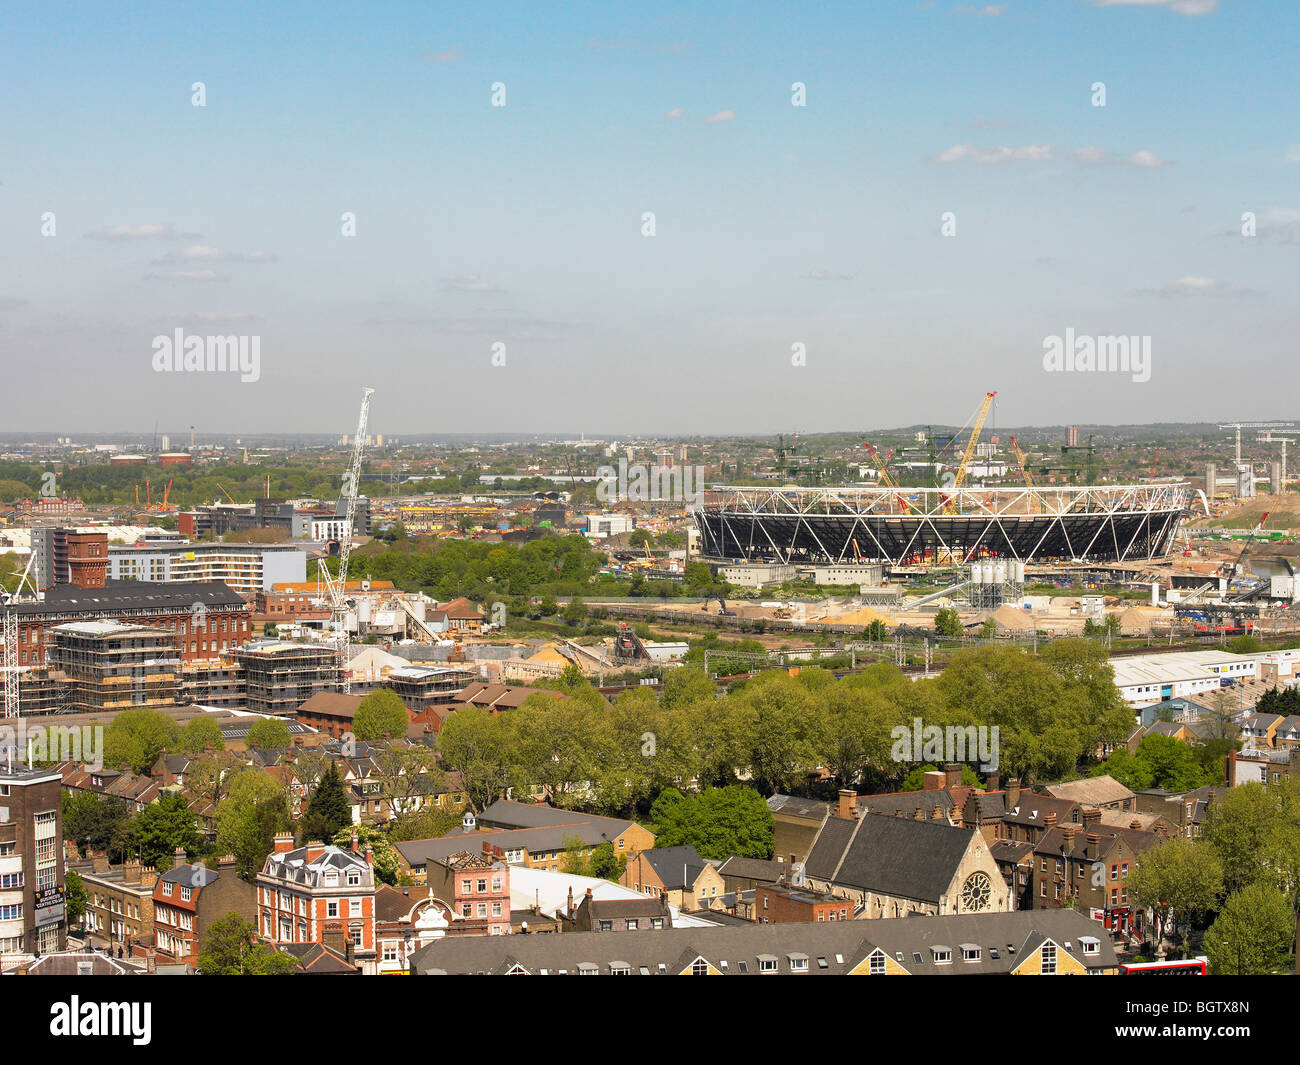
941, 526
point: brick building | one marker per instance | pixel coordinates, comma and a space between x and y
187, 899
318, 894
32, 911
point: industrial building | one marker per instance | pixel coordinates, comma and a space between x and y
1155, 678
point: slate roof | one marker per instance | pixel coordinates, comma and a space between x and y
831, 948
798, 807
677, 867
753, 869
889, 855
506, 813
134, 596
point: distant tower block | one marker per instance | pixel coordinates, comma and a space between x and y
1072, 436
1275, 479
1211, 480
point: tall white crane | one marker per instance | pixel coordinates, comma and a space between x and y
1239, 426
337, 585
12, 674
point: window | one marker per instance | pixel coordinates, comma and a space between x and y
1090, 945
607, 926
332, 908
632, 924
1048, 954
941, 955
699, 967
875, 967
969, 953
187, 893
767, 963
798, 963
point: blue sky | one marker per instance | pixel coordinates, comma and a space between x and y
522, 224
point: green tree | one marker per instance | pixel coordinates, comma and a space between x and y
97, 824
163, 826
947, 622
387, 862
198, 734
381, 713
1179, 879
1253, 933
718, 821
248, 819
269, 734
135, 738
230, 947
327, 810
605, 863
475, 744
74, 896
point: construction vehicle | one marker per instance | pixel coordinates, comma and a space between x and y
722, 606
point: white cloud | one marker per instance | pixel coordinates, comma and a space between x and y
1178, 7
469, 283
1193, 286
676, 112
1033, 153
147, 231
1090, 156
1147, 160
989, 11
186, 275
721, 116
1293, 154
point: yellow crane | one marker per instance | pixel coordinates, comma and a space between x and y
1024, 468
959, 479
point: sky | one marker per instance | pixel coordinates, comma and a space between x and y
948, 197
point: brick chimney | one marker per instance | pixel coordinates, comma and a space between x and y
370, 855
993, 782
935, 780
283, 843
1092, 817
148, 876
167, 778
314, 850
848, 801
1050, 818
1069, 831
178, 857
1135, 823
1013, 794
952, 773
1094, 845
131, 872
99, 863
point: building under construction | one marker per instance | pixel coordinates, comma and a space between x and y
279, 677
107, 665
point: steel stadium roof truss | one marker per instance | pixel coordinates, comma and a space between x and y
1094, 522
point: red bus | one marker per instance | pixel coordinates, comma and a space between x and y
1190, 967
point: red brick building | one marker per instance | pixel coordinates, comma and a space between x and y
785, 904
187, 899
318, 894
477, 887
205, 617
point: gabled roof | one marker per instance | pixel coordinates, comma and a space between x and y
889, 855
819, 949
677, 867
1091, 791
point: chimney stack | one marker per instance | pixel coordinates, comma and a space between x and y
1013, 794
935, 780
1094, 845
847, 804
1092, 817
283, 843
1050, 818
952, 773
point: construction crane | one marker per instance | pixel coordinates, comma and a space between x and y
1024, 468
13, 676
959, 478
337, 585
1229, 569
1239, 426
882, 466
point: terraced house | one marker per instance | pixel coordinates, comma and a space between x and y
1019, 943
